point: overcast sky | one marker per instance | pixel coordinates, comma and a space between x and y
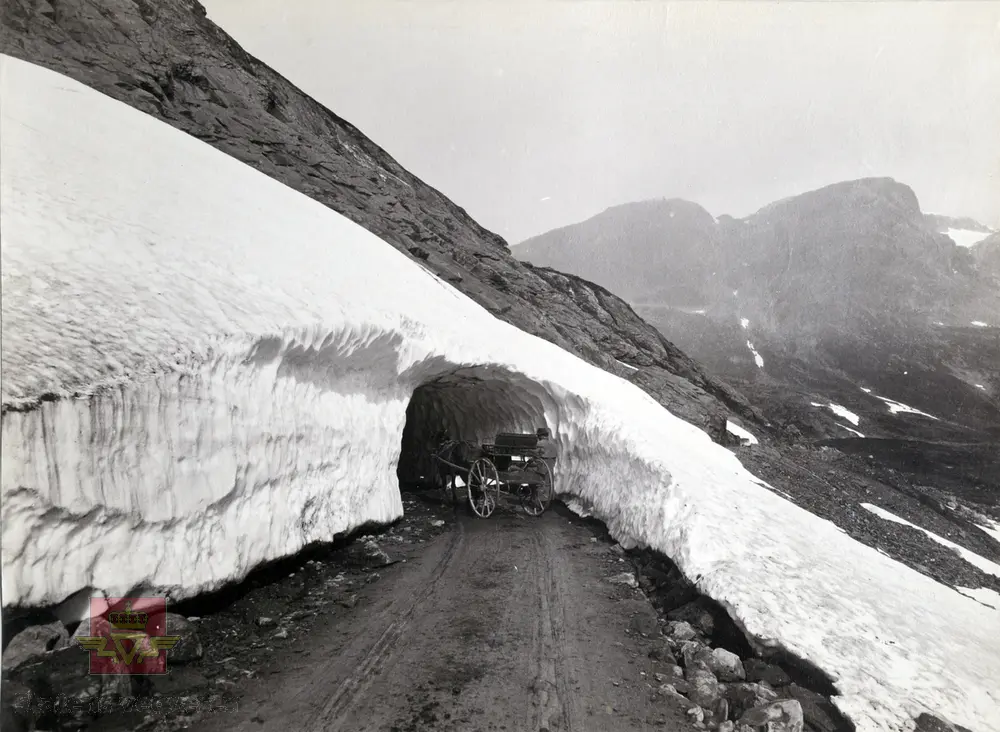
535, 115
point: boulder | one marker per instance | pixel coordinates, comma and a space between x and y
694, 613
189, 648
697, 714
670, 691
745, 696
661, 651
705, 688
695, 653
625, 578
681, 630
727, 666
780, 716
758, 670
33, 642
818, 711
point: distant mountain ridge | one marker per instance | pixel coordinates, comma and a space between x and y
836, 257
818, 294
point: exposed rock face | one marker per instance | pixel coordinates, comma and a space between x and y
167, 59
987, 256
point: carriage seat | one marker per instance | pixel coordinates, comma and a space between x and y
517, 440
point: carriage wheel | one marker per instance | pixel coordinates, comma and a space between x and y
484, 487
539, 495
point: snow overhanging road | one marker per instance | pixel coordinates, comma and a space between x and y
244, 357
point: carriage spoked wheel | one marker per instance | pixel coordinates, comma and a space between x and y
484, 487
537, 497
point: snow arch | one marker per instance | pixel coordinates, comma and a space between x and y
471, 403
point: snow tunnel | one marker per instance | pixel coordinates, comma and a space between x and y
469, 403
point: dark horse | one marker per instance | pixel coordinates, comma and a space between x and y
454, 458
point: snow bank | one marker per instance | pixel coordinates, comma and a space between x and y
235, 360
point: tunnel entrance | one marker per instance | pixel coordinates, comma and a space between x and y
472, 403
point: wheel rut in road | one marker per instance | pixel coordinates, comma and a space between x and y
500, 624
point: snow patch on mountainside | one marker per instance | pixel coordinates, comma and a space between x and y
226, 367
734, 429
840, 412
971, 557
966, 237
898, 407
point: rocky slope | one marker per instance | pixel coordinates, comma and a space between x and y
168, 60
987, 256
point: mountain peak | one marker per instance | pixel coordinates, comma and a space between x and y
862, 193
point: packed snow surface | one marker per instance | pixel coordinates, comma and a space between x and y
227, 365
745, 323
980, 324
966, 237
852, 431
626, 365
971, 557
840, 412
743, 434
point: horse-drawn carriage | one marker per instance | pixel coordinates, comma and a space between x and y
513, 464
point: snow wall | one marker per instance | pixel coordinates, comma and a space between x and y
204, 370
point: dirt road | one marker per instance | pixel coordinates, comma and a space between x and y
504, 624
